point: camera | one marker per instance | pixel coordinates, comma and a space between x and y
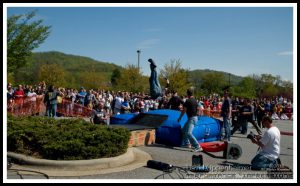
251, 135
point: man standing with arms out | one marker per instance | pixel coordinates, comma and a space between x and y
190, 107
226, 114
269, 145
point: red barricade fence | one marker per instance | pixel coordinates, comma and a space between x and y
31, 106
70, 109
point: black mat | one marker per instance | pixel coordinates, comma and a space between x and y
145, 121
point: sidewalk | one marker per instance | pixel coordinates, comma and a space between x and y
132, 159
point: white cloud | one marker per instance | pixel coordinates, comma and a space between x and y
285, 53
149, 43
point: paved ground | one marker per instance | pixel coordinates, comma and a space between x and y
220, 167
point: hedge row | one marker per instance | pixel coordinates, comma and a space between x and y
65, 139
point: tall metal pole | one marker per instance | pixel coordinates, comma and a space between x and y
138, 51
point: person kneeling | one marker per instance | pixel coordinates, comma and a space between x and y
269, 144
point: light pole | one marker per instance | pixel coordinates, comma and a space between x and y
138, 51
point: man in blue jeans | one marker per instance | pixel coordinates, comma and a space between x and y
269, 144
50, 100
190, 107
155, 88
226, 114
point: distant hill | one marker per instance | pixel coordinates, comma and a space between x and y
73, 65
198, 74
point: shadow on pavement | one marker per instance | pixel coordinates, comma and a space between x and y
213, 156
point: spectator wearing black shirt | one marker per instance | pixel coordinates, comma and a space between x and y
174, 102
260, 112
190, 107
246, 115
226, 114
99, 115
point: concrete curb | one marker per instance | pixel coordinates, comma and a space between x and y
132, 159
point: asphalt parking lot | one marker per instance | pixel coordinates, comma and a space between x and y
220, 168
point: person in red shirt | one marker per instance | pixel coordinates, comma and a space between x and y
19, 95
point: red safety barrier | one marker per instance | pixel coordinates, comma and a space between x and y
70, 109
25, 106
29, 107
212, 113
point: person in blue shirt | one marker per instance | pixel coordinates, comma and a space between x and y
125, 107
81, 96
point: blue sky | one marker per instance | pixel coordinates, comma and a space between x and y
239, 40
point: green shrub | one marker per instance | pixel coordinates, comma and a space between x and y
65, 139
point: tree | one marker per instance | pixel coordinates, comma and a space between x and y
93, 80
287, 89
177, 76
52, 74
213, 82
132, 80
23, 36
246, 88
116, 74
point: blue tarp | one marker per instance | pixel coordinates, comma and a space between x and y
122, 118
169, 133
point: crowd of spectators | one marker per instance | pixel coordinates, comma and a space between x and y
118, 102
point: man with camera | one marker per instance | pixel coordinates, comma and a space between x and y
269, 144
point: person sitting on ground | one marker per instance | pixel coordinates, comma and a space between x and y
269, 144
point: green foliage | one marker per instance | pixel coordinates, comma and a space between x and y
269, 91
52, 74
78, 71
23, 35
177, 76
245, 89
93, 80
65, 139
132, 80
214, 82
116, 75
